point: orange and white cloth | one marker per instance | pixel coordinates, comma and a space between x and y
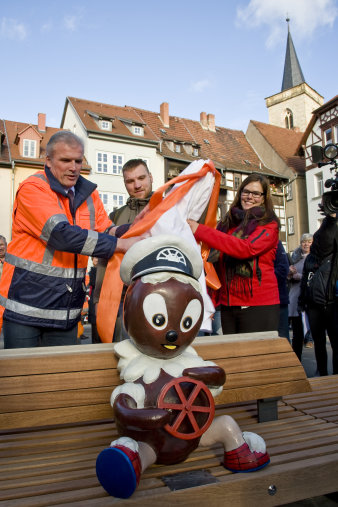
194, 190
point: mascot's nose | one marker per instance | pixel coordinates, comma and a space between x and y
171, 336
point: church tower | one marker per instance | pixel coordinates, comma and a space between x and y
292, 107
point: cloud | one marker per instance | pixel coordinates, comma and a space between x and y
306, 16
46, 27
200, 86
70, 22
12, 29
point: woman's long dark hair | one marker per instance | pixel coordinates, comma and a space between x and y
268, 215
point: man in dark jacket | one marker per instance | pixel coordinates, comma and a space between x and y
281, 272
138, 182
319, 291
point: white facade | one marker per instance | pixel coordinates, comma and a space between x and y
107, 154
6, 196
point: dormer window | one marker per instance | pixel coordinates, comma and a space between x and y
137, 130
195, 152
177, 148
29, 148
105, 125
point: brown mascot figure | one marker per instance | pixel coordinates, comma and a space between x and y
165, 407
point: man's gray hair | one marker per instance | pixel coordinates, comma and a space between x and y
64, 136
2, 238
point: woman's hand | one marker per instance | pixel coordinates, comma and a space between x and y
193, 225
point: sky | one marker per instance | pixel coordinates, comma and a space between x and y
219, 56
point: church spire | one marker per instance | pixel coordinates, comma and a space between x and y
293, 74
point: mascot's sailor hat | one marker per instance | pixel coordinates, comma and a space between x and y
161, 253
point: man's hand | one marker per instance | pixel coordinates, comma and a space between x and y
112, 231
123, 244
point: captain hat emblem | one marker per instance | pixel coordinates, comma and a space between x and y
172, 255
161, 253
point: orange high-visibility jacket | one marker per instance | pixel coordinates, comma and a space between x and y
43, 279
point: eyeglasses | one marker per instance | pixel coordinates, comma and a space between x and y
255, 194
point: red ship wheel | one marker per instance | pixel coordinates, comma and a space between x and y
187, 408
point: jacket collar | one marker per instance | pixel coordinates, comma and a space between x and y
83, 188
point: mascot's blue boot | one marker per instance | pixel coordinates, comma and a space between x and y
118, 470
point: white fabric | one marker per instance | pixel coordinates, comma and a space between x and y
133, 365
174, 221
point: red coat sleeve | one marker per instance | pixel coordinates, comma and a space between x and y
261, 240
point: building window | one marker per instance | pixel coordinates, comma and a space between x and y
109, 163
112, 200
289, 119
288, 192
237, 182
117, 164
138, 131
291, 226
319, 184
328, 136
177, 148
280, 212
195, 152
336, 134
102, 162
29, 148
105, 125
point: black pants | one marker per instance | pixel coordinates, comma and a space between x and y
324, 319
297, 335
250, 319
18, 336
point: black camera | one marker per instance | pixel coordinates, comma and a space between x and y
319, 155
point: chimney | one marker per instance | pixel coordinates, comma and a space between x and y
164, 114
41, 122
211, 122
203, 120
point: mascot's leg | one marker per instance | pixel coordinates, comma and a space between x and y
243, 452
119, 467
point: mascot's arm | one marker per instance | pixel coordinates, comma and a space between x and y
212, 376
128, 415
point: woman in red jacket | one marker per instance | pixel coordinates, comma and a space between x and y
247, 241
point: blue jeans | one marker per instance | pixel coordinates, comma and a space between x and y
17, 336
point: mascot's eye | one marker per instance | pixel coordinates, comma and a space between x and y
191, 315
187, 323
155, 311
158, 320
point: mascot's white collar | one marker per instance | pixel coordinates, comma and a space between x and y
133, 364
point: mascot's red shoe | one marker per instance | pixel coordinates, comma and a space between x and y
118, 469
244, 460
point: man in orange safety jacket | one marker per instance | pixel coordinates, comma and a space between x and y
58, 221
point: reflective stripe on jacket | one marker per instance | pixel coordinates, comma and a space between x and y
43, 276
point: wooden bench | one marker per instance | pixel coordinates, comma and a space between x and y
55, 418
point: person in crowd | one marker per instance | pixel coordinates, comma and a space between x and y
319, 292
281, 266
91, 305
3, 250
295, 275
58, 221
247, 240
138, 182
